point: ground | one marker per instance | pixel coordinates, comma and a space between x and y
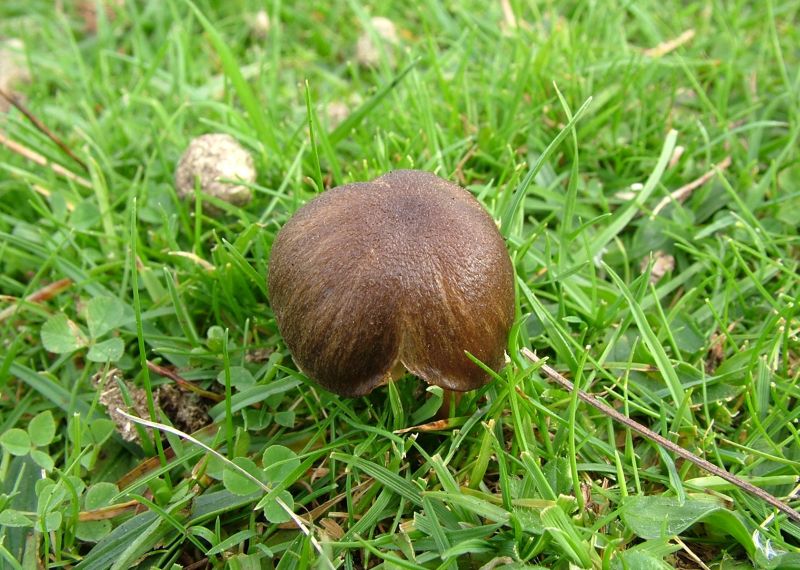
641, 162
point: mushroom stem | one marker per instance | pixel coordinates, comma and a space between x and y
450, 400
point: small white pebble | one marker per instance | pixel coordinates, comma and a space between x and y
662, 263
368, 53
385, 28
337, 111
13, 68
676, 155
261, 24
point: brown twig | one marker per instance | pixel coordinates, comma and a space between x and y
684, 191
34, 156
677, 153
183, 383
459, 172
662, 441
146, 466
152, 463
42, 127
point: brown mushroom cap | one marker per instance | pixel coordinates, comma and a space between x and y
406, 269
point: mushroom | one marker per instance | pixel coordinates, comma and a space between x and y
215, 159
407, 271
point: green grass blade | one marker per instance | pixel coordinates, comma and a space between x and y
622, 218
385, 477
522, 189
356, 117
254, 109
660, 357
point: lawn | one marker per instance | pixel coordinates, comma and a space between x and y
641, 162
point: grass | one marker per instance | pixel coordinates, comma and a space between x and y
568, 130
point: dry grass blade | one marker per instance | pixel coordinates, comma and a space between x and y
195, 258
34, 156
684, 191
45, 293
509, 19
664, 48
437, 425
317, 512
691, 554
663, 442
47, 193
42, 127
110, 512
